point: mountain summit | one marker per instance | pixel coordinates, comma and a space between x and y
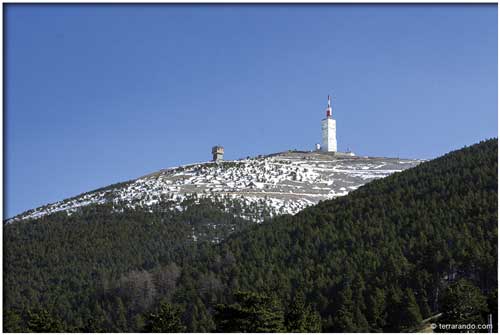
378, 259
280, 183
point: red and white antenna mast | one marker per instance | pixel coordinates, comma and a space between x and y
329, 109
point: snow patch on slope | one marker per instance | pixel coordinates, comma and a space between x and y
284, 183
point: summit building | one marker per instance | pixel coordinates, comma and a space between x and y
329, 131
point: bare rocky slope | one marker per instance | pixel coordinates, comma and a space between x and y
281, 183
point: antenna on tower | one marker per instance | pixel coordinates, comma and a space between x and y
329, 108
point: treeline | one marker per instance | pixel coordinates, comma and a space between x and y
382, 258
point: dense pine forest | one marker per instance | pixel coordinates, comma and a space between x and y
398, 250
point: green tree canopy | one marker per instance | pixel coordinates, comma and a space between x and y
301, 318
462, 304
41, 321
251, 313
166, 320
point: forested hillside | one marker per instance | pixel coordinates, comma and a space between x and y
379, 259
61, 262
363, 258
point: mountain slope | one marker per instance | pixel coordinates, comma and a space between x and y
63, 261
282, 183
357, 256
361, 260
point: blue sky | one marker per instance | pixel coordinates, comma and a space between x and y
98, 94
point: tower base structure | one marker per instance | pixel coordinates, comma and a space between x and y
329, 135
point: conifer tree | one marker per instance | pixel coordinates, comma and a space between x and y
461, 304
376, 310
251, 312
410, 316
166, 320
393, 307
42, 321
344, 319
423, 304
301, 318
121, 315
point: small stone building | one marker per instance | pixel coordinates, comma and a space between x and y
217, 153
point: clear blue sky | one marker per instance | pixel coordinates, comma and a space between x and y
98, 94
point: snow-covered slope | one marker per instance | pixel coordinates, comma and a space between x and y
282, 183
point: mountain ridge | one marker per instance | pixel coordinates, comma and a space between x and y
285, 181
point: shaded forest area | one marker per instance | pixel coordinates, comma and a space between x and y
382, 258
